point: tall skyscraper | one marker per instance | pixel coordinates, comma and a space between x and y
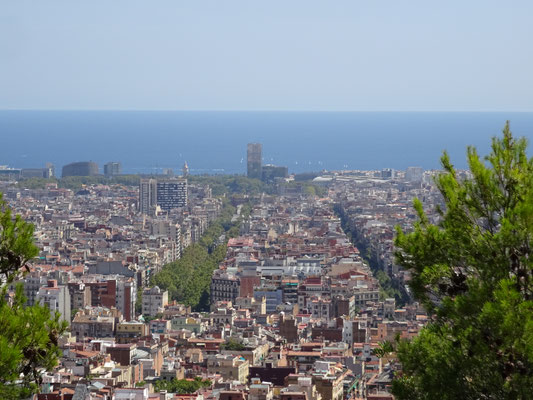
147, 195
50, 170
112, 168
172, 193
254, 160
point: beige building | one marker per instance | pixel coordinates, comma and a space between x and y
231, 368
253, 356
328, 380
128, 330
94, 322
260, 390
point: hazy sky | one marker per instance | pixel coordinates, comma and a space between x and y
377, 55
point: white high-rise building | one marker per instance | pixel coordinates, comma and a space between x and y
147, 195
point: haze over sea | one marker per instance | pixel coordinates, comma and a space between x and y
215, 142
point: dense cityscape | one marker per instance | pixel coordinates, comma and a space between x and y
171, 292
280, 200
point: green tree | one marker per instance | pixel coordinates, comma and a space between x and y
181, 386
473, 273
187, 279
28, 335
139, 302
232, 344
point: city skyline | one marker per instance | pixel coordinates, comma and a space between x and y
282, 200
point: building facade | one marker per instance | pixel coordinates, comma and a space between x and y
154, 301
270, 172
414, 174
57, 298
126, 295
254, 160
83, 168
230, 367
172, 193
224, 287
112, 168
147, 195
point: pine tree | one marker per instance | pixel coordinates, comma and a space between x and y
473, 273
28, 335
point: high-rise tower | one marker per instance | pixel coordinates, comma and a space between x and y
165, 193
254, 160
172, 193
112, 168
147, 195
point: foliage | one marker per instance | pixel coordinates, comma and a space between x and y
181, 386
220, 184
232, 344
187, 279
305, 176
383, 349
226, 184
28, 335
308, 188
473, 272
35, 183
238, 184
139, 302
148, 318
16, 244
76, 182
389, 288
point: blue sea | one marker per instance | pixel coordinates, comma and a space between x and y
215, 142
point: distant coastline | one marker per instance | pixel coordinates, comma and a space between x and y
214, 142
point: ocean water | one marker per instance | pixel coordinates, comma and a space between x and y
215, 142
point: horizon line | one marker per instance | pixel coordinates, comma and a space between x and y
258, 110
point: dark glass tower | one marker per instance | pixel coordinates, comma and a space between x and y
254, 160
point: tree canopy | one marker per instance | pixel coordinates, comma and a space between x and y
232, 344
28, 335
187, 279
473, 273
181, 386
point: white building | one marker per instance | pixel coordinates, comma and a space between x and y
57, 298
147, 195
126, 297
130, 394
169, 230
154, 301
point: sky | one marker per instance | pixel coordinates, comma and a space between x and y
342, 55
